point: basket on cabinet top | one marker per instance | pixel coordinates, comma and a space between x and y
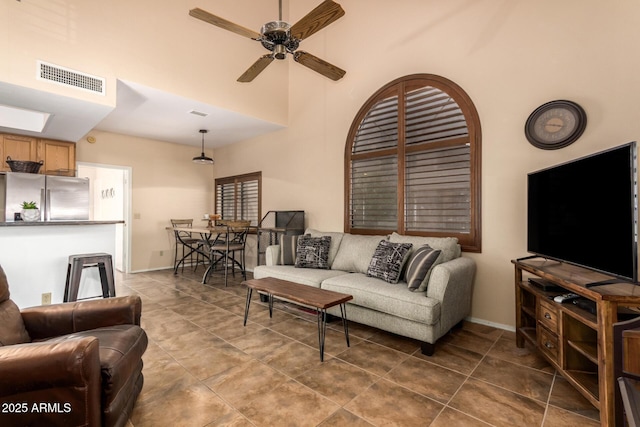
24, 165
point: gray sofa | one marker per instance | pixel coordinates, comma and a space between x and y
425, 316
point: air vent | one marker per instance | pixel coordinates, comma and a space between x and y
70, 78
198, 113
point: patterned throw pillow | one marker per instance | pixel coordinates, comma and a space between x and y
419, 267
288, 246
388, 260
313, 252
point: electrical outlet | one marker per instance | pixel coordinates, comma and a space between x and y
46, 298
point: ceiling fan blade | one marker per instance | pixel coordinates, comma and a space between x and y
318, 65
323, 15
257, 67
205, 16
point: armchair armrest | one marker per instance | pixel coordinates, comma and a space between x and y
63, 374
60, 319
42, 365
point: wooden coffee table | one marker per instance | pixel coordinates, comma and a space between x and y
319, 299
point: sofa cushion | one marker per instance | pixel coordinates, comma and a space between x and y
305, 276
378, 295
388, 260
336, 239
448, 245
419, 267
288, 246
355, 253
313, 252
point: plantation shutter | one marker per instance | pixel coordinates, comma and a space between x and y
248, 201
432, 115
238, 197
412, 162
374, 195
225, 200
438, 191
379, 128
438, 172
374, 180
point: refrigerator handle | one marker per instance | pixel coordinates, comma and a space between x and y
43, 205
47, 204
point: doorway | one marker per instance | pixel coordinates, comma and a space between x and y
110, 200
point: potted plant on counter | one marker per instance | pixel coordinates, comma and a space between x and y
30, 211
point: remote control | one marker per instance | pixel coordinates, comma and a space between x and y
566, 298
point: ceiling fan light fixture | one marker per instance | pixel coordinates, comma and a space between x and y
279, 51
202, 159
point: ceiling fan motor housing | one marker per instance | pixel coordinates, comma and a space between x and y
276, 36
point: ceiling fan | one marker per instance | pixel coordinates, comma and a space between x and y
281, 38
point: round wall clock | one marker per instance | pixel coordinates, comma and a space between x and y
555, 124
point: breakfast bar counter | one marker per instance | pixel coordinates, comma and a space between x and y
34, 256
54, 223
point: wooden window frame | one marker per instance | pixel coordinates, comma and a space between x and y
471, 241
236, 180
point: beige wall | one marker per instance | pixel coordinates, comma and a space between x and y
509, 55
165, 184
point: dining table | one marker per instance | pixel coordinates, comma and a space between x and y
209, 237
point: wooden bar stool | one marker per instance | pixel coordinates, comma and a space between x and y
74, 272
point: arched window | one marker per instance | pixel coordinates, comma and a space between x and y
412, 162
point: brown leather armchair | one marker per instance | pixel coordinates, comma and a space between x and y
71, 364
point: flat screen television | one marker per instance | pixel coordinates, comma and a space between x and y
584, 212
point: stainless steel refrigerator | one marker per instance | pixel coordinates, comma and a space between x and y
60, 198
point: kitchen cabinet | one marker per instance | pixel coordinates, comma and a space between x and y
58, 157
17, 147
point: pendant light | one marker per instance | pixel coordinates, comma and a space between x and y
202, 159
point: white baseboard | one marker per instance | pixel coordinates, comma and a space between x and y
152, 269
493, 324
169, 267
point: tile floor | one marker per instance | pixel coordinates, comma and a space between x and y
203, 368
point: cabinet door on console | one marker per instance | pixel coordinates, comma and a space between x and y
18, 148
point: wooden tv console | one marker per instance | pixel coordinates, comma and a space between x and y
578, 343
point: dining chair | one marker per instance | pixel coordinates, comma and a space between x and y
187, 242
225, 247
